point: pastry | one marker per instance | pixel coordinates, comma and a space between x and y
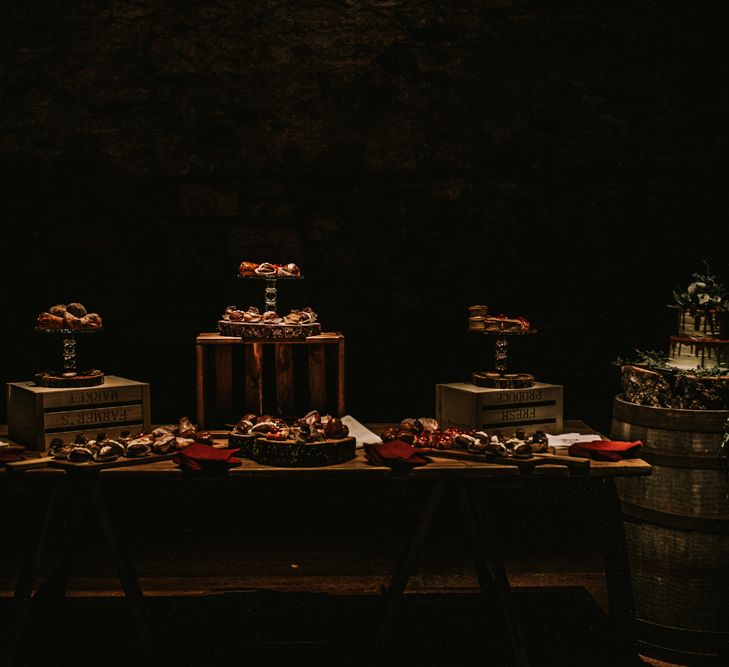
49, 322
289, 271
266, 269
247, 269
76, 309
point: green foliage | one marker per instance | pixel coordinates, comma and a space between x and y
653, 360
704, 292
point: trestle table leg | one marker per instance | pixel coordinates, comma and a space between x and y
490, 568
28, 568
124, 566
409, 558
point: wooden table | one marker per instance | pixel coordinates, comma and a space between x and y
466, 479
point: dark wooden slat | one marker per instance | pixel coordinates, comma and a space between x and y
253, 383
223, 379
340, 377
200, 385
284, 379
317, 378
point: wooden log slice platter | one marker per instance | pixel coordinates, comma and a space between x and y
292, 454
496, 380
268, 331
61, 380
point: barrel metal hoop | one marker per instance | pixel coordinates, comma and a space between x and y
697, 462
683, 640
669, 419
697, 524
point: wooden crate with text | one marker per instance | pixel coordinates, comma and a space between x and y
36, 415
464, 405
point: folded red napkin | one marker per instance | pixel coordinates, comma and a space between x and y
8, 456
606, 450
394, 453
200, 457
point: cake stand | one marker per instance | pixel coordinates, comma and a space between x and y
69, 376
499, 378
270, 292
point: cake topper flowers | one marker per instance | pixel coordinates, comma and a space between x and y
705, 292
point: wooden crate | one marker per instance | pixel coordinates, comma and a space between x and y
286, 378
36, 415
464, 405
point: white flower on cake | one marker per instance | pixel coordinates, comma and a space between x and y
695, 288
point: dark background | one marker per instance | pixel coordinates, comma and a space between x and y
561, 160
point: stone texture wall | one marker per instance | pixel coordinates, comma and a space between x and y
561, 160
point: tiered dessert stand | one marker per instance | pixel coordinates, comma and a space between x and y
270, 292
69, 376
500, 378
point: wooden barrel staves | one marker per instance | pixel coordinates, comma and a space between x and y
677, 530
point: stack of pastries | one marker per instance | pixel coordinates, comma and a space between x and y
268, 270
73, 316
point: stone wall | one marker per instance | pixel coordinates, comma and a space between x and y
561, 160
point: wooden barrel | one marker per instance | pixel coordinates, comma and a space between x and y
677, 531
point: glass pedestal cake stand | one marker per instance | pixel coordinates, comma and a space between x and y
69, 376
500, 378
270, 292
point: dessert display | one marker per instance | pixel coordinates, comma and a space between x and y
479, 320
702, 340
71, 317
500, 326
506, 324
694, 375
312, 441
250, 323
69, 320
425, 433
268, 270
161, 441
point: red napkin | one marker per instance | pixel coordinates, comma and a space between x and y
394, 453
7, 456
606, 450
199, 457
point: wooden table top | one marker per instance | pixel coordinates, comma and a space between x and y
360, 468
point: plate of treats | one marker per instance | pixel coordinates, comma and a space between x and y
479, 321
68, 319
251, 323
269, 271
314, 440
100, 452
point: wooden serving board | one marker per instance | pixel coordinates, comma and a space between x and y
50, 462
576, 465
